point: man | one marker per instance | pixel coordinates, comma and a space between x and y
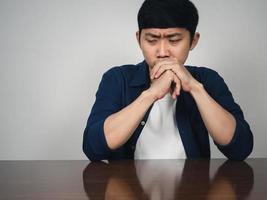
160, 108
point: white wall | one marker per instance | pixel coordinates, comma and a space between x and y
53, 54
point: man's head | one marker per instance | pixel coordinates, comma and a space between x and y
167, 28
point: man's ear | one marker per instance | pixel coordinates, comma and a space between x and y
137, 34
195, 40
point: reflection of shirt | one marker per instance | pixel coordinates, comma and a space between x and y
160, 138
120, 86
159, 180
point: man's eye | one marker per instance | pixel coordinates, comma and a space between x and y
152, 41
175, 41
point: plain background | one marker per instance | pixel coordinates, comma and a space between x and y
54, 52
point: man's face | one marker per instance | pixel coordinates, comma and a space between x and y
161, 44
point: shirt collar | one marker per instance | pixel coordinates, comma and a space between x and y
141, 75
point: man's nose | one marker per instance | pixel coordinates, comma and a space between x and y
163, 50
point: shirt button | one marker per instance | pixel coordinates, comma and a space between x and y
143, 123
133, 147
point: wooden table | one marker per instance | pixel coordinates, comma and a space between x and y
147, 179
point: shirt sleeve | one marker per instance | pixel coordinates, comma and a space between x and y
241, 144
108, 101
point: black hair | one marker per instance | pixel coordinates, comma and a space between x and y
168, 14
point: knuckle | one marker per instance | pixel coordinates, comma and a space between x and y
168, 72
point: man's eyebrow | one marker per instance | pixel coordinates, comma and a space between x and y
173, 35
166, 36
152, 35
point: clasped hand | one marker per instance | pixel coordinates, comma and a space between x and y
169, 75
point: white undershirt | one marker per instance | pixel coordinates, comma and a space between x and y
160, 138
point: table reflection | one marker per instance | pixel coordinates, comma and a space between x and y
112, 181
167, 179
233, 180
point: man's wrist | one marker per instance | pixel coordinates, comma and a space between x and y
196, 89
149, 95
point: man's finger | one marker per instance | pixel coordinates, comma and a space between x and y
173, 94
162, 69
177, 88
158, 65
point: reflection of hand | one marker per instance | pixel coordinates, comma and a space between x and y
185, 80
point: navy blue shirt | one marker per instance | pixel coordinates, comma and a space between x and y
120, 86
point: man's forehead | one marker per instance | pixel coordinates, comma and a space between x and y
164, 32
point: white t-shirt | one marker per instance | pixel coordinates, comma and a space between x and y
160, 137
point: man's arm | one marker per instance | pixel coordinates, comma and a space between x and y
218, 121
110, 124
119, 126
241, 144
222, 117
